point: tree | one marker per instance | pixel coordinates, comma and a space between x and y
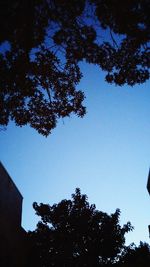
42, 43
73, 233
136, 256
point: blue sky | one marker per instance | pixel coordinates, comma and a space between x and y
106, 154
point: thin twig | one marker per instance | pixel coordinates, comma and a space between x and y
114, 41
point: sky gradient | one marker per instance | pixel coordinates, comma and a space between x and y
106, 154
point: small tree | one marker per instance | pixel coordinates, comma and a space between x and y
73, 233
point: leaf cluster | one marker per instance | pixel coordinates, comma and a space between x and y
43, 42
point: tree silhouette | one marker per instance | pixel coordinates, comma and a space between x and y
42, 43
73, 233
136, 256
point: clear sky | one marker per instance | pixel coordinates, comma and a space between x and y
106, 154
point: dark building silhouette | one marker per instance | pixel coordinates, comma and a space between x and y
148, 188
12, 235
148, 182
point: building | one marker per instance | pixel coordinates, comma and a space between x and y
12, 235
148, 189
148, 182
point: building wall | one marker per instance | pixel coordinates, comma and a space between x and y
10, 200
12, 235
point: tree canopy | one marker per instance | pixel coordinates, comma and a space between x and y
135, 256
73, 233
42, 43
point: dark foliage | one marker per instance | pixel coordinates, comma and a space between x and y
136, 256
73, 233
42, 43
